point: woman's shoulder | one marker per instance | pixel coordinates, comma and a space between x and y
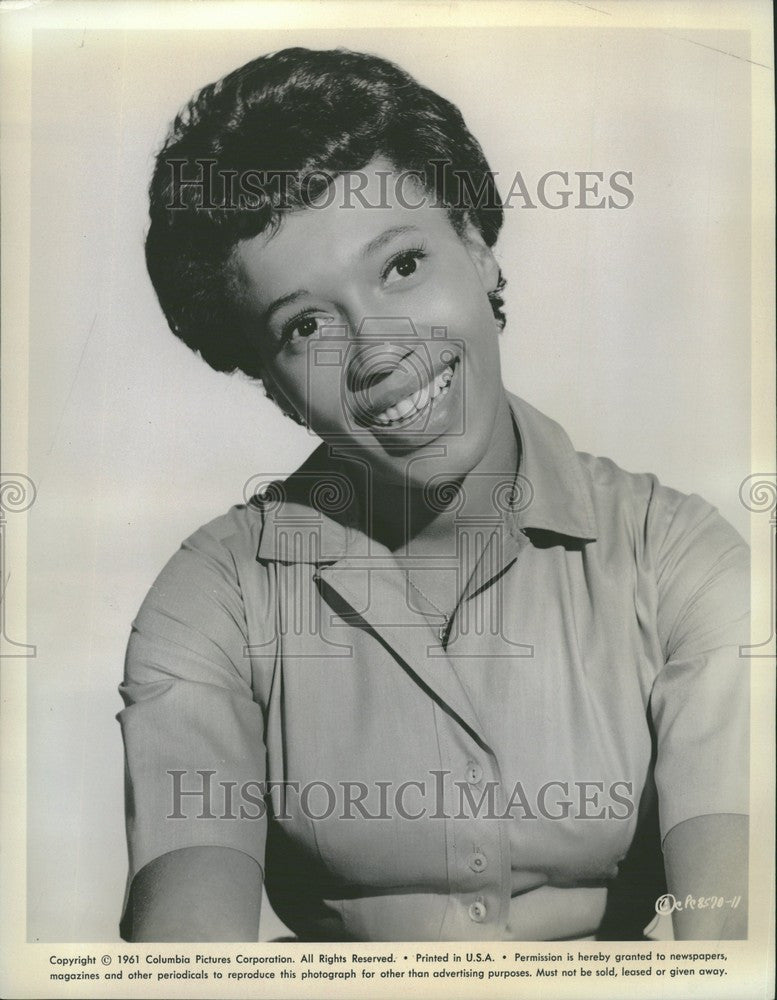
635, 507
236, 531
661, 510
228, 551
681, 537
211, 563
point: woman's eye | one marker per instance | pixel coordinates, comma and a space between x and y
402, 266
304, 326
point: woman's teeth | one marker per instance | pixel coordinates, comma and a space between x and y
416, 403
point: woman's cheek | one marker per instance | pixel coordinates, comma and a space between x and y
321, 394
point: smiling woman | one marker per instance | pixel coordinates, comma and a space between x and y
451, 679
377, 282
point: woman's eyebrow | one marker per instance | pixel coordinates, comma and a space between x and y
385, 237
284, 300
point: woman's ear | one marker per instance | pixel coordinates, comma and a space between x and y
482, 256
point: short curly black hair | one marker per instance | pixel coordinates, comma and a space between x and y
292, 113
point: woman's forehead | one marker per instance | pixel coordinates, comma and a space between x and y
361, 214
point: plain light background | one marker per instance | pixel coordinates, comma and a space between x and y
631, 328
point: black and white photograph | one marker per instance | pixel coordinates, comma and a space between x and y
388, 499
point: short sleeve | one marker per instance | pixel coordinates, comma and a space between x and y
700, 702
191, 724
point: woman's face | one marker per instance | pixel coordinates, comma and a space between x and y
372, 322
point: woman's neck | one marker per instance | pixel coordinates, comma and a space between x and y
404, 519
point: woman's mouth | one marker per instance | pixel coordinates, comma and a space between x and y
418, 403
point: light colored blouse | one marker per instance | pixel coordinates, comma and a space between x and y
490, 789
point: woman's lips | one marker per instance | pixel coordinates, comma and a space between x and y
412, 406
414, 412
397, 405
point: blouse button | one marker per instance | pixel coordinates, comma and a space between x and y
474, 772
478, 862
477, 911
